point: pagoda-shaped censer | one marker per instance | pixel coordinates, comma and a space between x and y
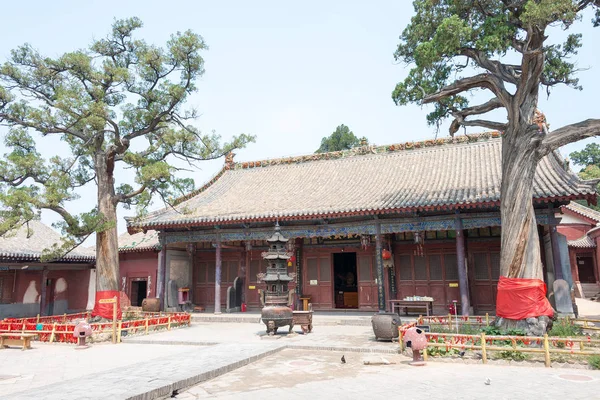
276, 297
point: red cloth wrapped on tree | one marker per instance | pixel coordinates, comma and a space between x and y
105, 310
520, 298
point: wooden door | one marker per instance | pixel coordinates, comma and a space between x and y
367, 281
318, 280
585, 268
485, 270
204, 287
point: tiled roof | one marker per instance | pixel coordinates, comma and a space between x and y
407, 177
138, 241
583, 210
583, 242
24, 245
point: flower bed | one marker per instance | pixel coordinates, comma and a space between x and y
568, 342
60, 328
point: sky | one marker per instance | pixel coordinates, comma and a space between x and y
286, 72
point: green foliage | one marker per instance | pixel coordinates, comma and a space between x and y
450, 40
441, 351
590, 155
564, 328
512, 355
594, 361
341, 139
118, 102
590, 158
464, 329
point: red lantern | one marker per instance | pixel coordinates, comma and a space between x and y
386, 255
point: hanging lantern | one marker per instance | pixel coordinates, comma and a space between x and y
386, 254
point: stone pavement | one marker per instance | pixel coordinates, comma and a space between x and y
150, 380
291, 374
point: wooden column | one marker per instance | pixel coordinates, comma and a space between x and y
218, 265
161, 273
191, 250
43, 290
379, 265
463, 280
244, 265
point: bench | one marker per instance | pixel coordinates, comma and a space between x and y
9, 339
426, 306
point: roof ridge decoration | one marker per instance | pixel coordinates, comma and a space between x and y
370, 149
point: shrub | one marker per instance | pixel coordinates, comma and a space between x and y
564, 328
594, 362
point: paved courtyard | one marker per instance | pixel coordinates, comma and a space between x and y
237, 360
291, 374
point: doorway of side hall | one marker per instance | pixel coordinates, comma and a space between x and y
345, 283
138, 292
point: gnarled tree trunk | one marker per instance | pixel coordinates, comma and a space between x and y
107, 256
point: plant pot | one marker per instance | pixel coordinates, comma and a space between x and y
385, 325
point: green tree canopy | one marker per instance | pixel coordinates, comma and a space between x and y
589, 157
341, 139
117, 102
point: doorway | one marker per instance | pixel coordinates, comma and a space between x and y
585, 268
345, 286
138, 292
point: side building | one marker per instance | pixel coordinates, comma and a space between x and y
581, 226
367, 225
29, 286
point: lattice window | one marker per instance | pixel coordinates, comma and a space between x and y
201, 272
420, 268
435, 268
312, 269
325, 267
232, 270
482, 272
405, 268
254, 270
364, 269
451, 265
495, 261
211, 268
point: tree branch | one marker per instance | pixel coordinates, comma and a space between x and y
506, 72
123, 197
569, 134
485, 81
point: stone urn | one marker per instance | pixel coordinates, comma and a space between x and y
385, 325
275, 317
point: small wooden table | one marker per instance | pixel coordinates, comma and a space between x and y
24, 341
425, 305
305, 300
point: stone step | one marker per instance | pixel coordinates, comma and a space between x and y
590, 290
254, 318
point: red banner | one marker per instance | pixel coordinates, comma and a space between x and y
520, 298
104, 308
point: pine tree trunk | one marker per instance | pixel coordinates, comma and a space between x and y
107, 253
520, 256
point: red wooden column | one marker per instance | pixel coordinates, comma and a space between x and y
244, 263
379, 263
191, 250
463, 280
43, 290
218, 266
161, 274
